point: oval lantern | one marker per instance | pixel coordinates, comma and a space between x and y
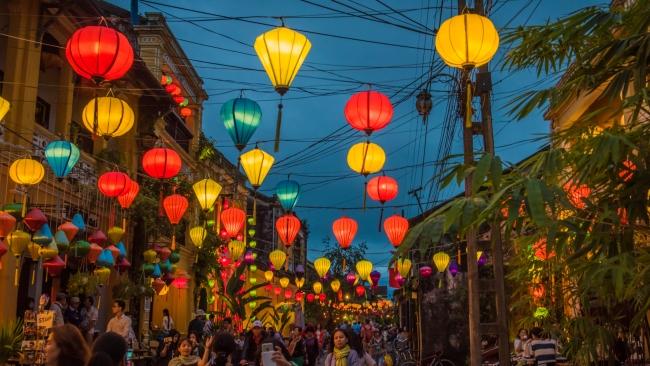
61, 156
161, 163
99, 53
311, 297
441, 261
368, 111
206, 191
268, 276
185, 111
277, 258
175, 206
364, 267
256, 164
287, 192
4, 107
395, 228
198, 235
126, 199
322, 266
241, 117
284, 282
317, 287
403, 266
344, 229
366, 158
113, 184
335, 285
233, 220
26, 172
360, 290
382, 188
467, 41
236, 249
287, 227
108, 117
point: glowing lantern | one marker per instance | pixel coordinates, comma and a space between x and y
198, 235
126, 199
287, 227
627, 173
256, 164
178, 99
350, 278
249, 258
382, 188
344, 229
241, 117
360, 290
233, 220
322, 297
4, 107
538, 291
403, 266
166, 80
299, 282
364, 267
99, 53
161, 163
576, 194
288, 293
277, 258
207, 191
186, 112
426, 271
26, 172
317, 287
467, 41
366, 158
335, 285
284, 282
374, 277
441, 261
299, 296
396, 227
114, 184
108, 117
175, 206
236, 249
287, 192
310, 297
102, 274
368, 111
268, 275
7, 223
181, 282
322, 265
540, 250
61, 156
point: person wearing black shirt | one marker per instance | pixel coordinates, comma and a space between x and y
196, 325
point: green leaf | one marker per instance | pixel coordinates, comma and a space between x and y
536, 202
480, 172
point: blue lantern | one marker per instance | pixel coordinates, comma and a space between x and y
241, 116
62, 156
287, 192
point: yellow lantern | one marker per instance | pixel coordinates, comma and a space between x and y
236, 249
108, 117
256, 164
300, 282
404, 266
322, 265
284, 282
206, 191
198, 235
335, 285
366, 158
317, 287
268, 275
4, 107
164, 291
364, 267
277, 258
103, 274
18, 241
26, 172
479, 253
441, 261
467, 41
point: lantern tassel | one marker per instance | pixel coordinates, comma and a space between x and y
365, 193
17, 274
123, 222
111, 216
278, 125
468, 105
174, 240
381, 217
24, 208
458, 255
33, 275
440, 283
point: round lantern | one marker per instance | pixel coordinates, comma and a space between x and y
441, 261
287, 192
166, 80
256, 164
317, 287
114, 184
310, 297
360, 290
26, 172
288, 293
395, 228
178, 99
284, 282
277, 258
577, 194
322, 297
99, 53
241, 117
287, 227
539, 248
126, 199
236, 249
467, 41
299, 296
322, 266
186, 111
108, 117
382, 188
335, 285
350, 278
61, 156
207, 191
425, 271
344, 229
268, 275
175, 206
4, 107
233, 220
198, 235
366, 158
403, 266
364, 267
368, 111
161, 163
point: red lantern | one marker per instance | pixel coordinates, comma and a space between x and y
622, 215
99, 53
7, 224
538, 291
344, 229
164, 253
627, 173
576, 194
158, 285
98, 237
277, 291
34, 219
127, 198
288, 294
310, 297
540, 250
396, 227
54, 266
178, 99
175, 206
225, 261
176, 91
368, 111
287, 227
360, 290
161, 163
382, 188
426, 271
113, 184
186, 112
171, 89
181, 282
299, 295
322, 297
233, 220
123, 265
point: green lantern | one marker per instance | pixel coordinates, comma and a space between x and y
287, 192
241, 117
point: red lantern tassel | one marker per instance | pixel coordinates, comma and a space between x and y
458, 255
278, 125
174, 241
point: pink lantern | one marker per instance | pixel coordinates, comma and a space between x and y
34, 219
164, 253
54, 266
400, 280
181, 282
98, 237
426, 271
350, 278
93, 253
124, 265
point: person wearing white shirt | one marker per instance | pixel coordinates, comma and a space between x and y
120, 323
167, 321
89, 315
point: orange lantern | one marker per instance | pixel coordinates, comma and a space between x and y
114, 184
287, 227
175, 206
540, 250
127, 198
577, 194
233, 220
344, 229
396, 227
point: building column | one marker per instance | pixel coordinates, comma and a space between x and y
64, 102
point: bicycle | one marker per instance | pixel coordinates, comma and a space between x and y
437, 360
404, 358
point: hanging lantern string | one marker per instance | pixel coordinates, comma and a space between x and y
278, 126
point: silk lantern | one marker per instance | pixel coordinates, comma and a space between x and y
360, 290
34, 219
310, 297
441, 261
233, 219
335, 285
539, 248
288, 227
322, 266
317, 287
175, 206
256, 164
299, 296
26, 172
113, 184
395, 228
61, 156
185, 111
99, 53
344, 229
268, 275
277, 258
350, 278
382, 188
368, 111
366, 158
374, 277
576, 194
198, 235
54, 266
241, 117
236, 249
403, 266
287, 192
108, 117
7, 224
364, 267
4, 107
299, 282
425, 271
161, 163
284, 282
126, 198
206, 191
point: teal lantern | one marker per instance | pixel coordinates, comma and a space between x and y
62, 156
287, 192
241, 116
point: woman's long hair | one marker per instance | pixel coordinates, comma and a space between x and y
347, 334
109, 349
72, 345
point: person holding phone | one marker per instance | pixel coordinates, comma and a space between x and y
252, 350
167, 348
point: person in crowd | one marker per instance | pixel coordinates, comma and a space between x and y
356, 344
167, 348
520, 342
89, 315
312, 348
209, 327
252, 350
226, 326
66, 347
167, 322
119, 323
270, 331
197, 347
541, 348
72, 314
366, 332
225, 350
59, 306
196, 324
297, 347
185, 358
109, 349
342, 354
356, 327
376, 346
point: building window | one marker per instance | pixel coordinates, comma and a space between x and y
176, 128
42, 114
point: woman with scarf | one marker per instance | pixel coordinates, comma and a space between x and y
342, 354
